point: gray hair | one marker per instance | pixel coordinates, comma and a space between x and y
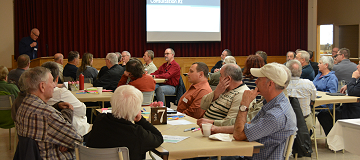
127, 53
30, 80
126, 102
328, 60
150, 54
229, 59
112, 58
291, 52
3, 72
118, 54
172, 51
232, 70
305, 55
295, 71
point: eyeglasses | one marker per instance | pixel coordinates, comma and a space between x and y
35, 34
337, 55
167, 53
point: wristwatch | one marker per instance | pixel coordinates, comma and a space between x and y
243, 108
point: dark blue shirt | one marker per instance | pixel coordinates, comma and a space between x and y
24, 47
70, 71
308, 73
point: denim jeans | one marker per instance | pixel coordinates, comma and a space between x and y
162, 89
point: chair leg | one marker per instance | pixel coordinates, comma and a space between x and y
15, 140
10, 138
316, 150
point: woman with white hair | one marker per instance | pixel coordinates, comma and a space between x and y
326, 80
125, 127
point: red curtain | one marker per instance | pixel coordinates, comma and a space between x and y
102, 26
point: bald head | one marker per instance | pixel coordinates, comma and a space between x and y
59, 58
34, 34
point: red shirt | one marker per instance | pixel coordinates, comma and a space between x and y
189, 103
170, 72
145, 83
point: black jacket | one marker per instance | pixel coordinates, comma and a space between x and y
109, 79
351, 110
108, 132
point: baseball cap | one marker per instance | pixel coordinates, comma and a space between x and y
272, 71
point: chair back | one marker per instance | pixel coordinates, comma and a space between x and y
67, 79
6, 102
87, 153
148, 98
288, 146
88, 80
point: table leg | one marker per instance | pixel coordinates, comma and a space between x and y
333, 114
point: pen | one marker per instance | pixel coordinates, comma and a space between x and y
144, 109
189, 129
197, 129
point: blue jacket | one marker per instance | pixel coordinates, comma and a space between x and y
308, 73
327, 83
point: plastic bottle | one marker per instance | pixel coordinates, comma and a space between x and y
81, 79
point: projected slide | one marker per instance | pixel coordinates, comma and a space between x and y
183, 20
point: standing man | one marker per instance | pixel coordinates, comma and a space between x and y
344, 67
23, 63
41, 122
59, 59
149, 64
29, 45
219, 64
303, 89
190, 102
170, 70
125, 57
307, 71
70, 68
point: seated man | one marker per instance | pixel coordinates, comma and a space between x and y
109, 78
4, 85
70, 68
119, 129
135, 70
125, 57
307, 71
23, 63
149, 64
170, 70
219, 64
59, 59
37, 120
190, 101
263, 55
222, 104
79, 120
343, 67
346, 110
303, 89
215, 77
276, 120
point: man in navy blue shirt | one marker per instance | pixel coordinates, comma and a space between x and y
29, 45
307, 71
70, 68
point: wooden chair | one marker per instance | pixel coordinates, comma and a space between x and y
289, 146
148, 98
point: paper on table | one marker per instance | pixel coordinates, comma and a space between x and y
173, 139
179, 122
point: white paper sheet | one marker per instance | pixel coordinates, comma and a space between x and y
179, 122
173, 139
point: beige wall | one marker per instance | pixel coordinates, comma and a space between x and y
340, 12
6, 32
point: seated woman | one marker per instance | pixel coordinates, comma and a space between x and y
253, 61
86, 67
326, 80
346, 110
118, 130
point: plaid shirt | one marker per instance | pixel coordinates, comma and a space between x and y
43, 123
274, 123
304, 90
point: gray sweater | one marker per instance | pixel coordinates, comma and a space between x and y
344, 70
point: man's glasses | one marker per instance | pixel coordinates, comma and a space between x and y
337, 55
166, 54
35, 34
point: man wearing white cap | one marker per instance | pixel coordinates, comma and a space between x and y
276, 120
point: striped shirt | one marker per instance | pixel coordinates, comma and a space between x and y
225, 107
252, 85
43, 123
304, 90
274, 123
